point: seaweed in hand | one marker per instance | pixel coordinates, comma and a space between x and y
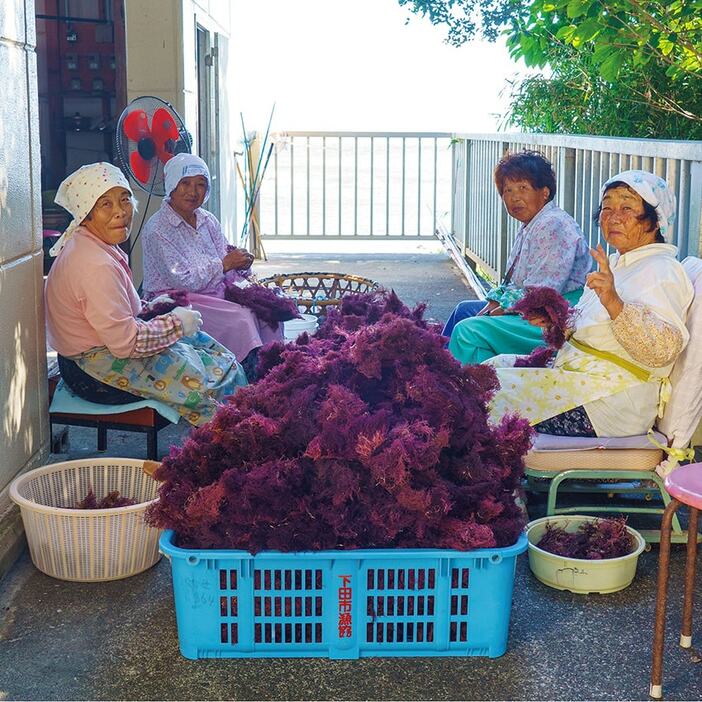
180, 299
268, 305
550, 304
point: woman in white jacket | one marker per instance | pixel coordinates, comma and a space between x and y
611, 377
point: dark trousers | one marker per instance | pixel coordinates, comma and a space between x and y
90, 389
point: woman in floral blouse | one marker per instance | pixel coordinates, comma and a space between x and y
185, 249
549, 250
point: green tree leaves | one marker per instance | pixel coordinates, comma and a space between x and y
644, 58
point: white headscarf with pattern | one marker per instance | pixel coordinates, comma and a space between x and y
184, 166
655, 191
81, 190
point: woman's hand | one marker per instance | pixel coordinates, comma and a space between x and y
489, 309
237, 259
602, 282
189, 318
539, 320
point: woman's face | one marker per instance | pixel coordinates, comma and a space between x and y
620, 223
111, 217
189, 194
522, 200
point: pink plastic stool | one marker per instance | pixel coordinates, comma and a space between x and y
685, 487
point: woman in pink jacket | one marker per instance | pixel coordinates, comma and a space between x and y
106, 352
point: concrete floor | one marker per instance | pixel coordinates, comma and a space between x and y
118, 640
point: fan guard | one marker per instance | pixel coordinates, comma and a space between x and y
149, 133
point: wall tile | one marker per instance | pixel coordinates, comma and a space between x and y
12, 20
22, 399
16, 199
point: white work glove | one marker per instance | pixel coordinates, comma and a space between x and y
190, 319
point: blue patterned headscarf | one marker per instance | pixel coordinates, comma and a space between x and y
655, 191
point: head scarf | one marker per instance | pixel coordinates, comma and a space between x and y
184, 166
655, 191
81, 190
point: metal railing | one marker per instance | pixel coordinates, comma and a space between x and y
484, 232
408, 185
355, 185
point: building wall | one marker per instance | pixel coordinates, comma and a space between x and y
24, 435
162, 61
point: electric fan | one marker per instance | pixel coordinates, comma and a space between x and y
149, 132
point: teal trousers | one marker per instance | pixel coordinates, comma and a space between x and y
476, 339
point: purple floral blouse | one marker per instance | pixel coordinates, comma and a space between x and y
549, 251
178, 257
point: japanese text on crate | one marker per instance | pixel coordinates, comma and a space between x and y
345, 600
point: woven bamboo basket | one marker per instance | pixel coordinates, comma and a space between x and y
315, 292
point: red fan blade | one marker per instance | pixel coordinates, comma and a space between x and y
163, 129
140, 167
136, 125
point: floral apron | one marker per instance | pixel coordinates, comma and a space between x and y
193, 375
541, 393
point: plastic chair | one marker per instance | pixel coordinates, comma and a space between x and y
632, 464
685, 488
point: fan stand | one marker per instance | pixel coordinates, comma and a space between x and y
132, 244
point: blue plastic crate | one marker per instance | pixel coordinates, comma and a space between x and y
342, 604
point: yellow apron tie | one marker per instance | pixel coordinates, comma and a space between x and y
675, 454
664, 395
641, 373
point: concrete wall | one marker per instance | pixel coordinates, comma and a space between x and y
24, 435
161, 61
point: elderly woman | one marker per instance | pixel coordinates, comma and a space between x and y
610, 378
549, 250
106, 353
185, 249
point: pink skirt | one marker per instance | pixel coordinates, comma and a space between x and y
234, 326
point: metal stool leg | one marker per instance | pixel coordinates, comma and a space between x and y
690, 566
101, 437
656, 688
553, 493
152, 444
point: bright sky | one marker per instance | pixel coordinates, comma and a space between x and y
354, 65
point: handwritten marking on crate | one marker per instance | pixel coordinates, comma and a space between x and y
199, 593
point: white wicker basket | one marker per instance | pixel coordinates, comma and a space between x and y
88, 545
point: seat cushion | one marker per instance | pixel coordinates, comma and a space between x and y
558, 453
66, 402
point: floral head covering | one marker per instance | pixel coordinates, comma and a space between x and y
184, 166
81, 190
655, 191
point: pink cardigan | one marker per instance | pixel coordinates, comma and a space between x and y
90, 298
